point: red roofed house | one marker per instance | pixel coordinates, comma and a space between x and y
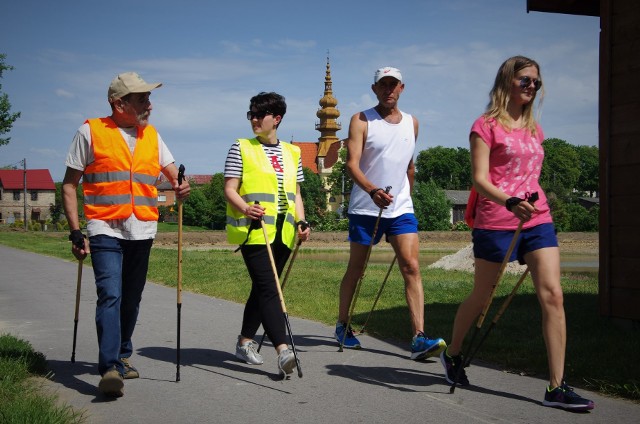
41, 194
309, 153
166, 195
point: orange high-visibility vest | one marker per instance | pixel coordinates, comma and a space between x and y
118, 184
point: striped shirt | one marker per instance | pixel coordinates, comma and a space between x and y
233, 168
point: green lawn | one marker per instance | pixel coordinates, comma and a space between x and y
515, 344
22, 399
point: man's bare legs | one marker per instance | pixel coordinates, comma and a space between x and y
407, 249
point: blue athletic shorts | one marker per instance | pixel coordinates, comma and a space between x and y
361, 227
492, 245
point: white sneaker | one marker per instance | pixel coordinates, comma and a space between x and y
286, 362
248, 352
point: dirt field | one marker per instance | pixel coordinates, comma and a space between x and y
445, 241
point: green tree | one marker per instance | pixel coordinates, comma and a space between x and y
339, 181
214, 192
56, 209
196, 209
315, 197
559, 212
165, 213
561, 167
588, 181
464, 161
431, 207
448, 167
6, 117
581, 219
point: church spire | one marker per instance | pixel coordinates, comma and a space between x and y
328, 115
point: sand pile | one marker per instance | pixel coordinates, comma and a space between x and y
462, 260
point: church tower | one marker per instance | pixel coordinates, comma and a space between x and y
328, 125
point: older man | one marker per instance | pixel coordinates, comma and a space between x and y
119, 159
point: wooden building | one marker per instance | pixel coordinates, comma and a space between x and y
619, 131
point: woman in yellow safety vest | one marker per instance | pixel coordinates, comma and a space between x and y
262, 182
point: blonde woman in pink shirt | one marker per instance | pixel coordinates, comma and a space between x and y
506, 158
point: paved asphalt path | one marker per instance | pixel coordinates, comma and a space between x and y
377, 384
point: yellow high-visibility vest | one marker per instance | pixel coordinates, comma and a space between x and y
260, 183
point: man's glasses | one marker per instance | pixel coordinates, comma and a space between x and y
257, 115
526, 82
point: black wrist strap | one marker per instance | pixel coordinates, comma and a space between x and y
374, 191
511, 202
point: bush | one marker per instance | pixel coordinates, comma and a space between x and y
331, 221
431, 207
460, 226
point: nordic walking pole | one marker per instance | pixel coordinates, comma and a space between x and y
497, 317
364, 268
494, 288
284, 307
75, 319
179, 286
375, 302
304, 226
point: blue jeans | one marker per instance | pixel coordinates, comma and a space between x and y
120, 268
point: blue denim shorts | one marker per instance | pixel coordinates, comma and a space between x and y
361, 227
492, 245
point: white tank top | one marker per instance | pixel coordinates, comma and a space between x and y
388, 150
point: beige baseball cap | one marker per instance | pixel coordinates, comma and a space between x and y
387, 71
129, 82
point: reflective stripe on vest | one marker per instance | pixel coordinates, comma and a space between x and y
259, 182
118, 184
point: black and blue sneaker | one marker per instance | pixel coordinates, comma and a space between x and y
454, 369
564, 397
350, 341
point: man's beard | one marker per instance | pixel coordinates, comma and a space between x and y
142, 119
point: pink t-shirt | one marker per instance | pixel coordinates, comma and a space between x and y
515, 162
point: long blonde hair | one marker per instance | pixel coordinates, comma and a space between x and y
501, 93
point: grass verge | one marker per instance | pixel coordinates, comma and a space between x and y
515, 344
22, 399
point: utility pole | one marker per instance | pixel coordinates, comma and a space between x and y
24, 163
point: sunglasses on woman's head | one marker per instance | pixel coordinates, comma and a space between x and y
526, 81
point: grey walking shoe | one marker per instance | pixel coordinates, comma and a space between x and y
286, 362
248, 352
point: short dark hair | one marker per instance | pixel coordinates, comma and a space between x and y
269, 102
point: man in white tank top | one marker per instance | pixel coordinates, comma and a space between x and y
380, 153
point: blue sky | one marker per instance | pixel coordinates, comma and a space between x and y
212, 57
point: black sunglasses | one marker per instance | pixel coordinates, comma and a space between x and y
526, 81
257, 115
